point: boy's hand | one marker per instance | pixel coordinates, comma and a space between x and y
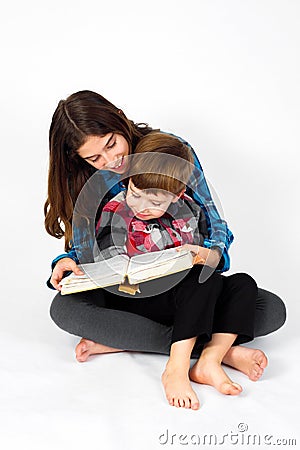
202, 255
196, 250
63, 265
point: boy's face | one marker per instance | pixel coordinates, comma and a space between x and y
146, 206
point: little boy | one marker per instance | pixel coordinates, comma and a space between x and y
154, 214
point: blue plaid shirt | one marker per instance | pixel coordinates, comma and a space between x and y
219, 234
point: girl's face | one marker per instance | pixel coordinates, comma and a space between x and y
106, 153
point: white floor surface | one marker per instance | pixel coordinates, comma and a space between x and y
116, 401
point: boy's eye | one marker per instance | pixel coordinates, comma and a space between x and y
135, 195
156, 204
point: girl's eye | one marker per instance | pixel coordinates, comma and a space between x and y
156, 204
135, 195
112, 145
95, 159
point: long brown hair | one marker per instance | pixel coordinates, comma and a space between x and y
82, 114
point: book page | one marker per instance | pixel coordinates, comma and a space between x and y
155, 265
100, 274
107, 268
154, 259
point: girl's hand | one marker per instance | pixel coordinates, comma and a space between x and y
63, 265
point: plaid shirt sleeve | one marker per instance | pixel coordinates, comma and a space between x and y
111, 232
71, 254
219, 235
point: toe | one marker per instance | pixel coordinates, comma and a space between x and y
188, 401
187, 404
264, 362
176, 403
261, 359
194, 401
170, 400
231, 388
258, 368
82, 357
256, 372
181, 402
195, 405
237, 386
81, 348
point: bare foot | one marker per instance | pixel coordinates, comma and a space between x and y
85, 348
250, 361
178, 389
209, 371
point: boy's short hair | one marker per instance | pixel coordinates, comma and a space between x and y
167, 163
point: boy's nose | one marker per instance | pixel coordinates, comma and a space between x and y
143, 207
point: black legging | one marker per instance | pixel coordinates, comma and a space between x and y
85, 314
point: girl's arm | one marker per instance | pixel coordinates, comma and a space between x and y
219, 236
203, 255
61, 266
83, 239
110, 241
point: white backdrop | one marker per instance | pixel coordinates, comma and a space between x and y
223, 75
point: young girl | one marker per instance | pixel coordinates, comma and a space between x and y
154, 214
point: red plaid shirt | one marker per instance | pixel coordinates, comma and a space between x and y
119, 231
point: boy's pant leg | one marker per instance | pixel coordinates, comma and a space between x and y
236, 306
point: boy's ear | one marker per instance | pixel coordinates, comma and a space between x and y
177, 197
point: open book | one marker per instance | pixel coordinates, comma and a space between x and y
128, 272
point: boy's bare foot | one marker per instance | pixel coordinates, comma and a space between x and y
178, 389
250, 361
209, 371
85, 348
